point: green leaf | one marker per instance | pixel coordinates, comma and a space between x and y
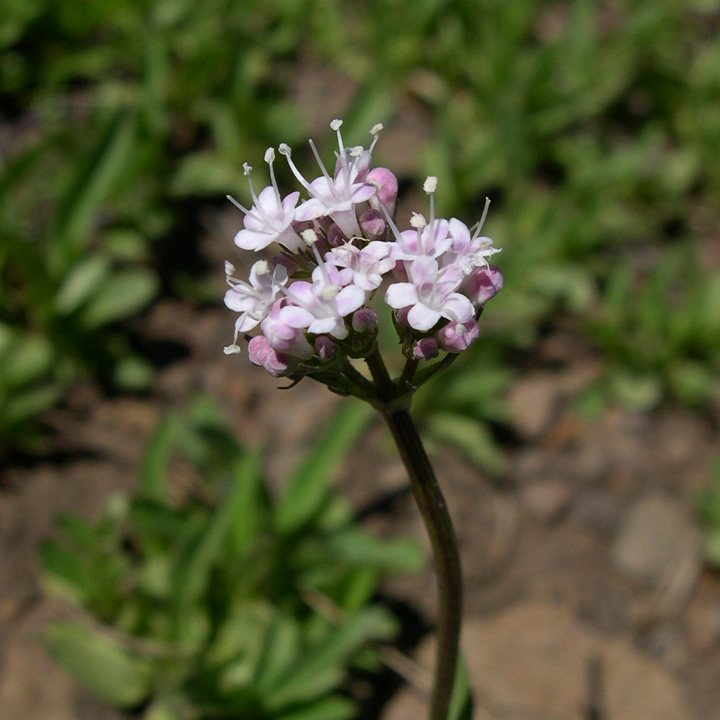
193, 569
80, 283
461, 701
93, 181
27, 403
470, 436
330, 708
29, 359
357, 546
133, 373
308, 487
124, 294
280, 651
322, 664
65, 573
153, 481
101, 664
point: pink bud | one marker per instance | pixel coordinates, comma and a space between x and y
372, 223
335, 236
456, 337
287, 262
483, 284
260, 353
387, 188
364, 320
325, 348
425, 349
402, 315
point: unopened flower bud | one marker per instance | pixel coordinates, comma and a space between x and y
325, 348
456, 337
335, 237
402, 315
483, 284
372, 223
364, 320
287, 262
387, 188
426, 349
260, 353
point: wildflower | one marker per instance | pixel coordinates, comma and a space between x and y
367, 265
260, 353
253, 301
387, 188
469, 251
483, 284
425, 349
283, 336
456, 336
270, 219
431, 294
334, 197
428, 238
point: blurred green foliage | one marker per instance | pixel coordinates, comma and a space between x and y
708, 509
593, 127
203, 596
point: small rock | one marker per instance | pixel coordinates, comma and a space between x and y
532, 402
702, 624
536, 660
546, 500
657, 539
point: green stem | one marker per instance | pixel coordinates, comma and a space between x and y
431, 503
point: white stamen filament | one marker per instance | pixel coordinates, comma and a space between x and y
336, 125
375, 132
325, 173
482, 219
284, 149
237, 204
270, 159
247, 169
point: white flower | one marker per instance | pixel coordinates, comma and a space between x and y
367, 265
335, 197
322, 305
253, 301
431, 294
271, 217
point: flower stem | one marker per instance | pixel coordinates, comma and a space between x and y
393, 401
431, 503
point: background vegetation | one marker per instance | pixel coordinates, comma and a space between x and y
592, 126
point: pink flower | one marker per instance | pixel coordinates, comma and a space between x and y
367, 265
387, 188
466, 251
425, 349
284, 337
270, 218
254, 300
334, 197
456, 337
431, 294
260, 353
483, 284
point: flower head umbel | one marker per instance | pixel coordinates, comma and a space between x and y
307, 311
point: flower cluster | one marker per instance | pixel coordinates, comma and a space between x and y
309, 305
